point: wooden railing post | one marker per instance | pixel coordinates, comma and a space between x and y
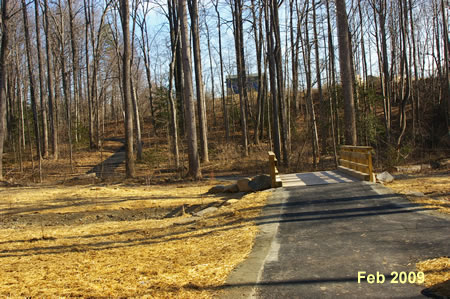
371, 178
275, 179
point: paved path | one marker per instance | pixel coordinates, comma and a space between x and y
107, 168
315, 239
315, 178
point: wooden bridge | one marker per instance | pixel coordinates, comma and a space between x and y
355, 164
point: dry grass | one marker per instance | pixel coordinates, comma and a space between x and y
437, 274
435, 188
145, 258
70, 199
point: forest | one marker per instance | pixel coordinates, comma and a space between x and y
204, 78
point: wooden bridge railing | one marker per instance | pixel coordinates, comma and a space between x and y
276, 180
356, 161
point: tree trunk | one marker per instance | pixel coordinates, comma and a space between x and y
41, 83
257, 31
309, 98
145, 46
385, 69
173, 112
126, 79
346, 72
446, 78
333, 89
194, 163
174, 40
201, 107
240, 65
87, 14
323, 108
4, 52
273, 82
137, 123
50, 85
212, 74
33, 94
280, 83
404, 70
66, 84
75, 66
224, 103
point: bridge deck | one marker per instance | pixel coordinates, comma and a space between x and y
315, 178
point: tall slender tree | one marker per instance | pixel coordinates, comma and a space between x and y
224, 103
194, 162
126, 80
32, 80
50, 84
201, 106
236, 6
41, 82
346, 72
4, 52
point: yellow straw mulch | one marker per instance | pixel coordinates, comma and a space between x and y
144, 258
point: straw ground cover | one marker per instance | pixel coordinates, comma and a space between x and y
61, 241
436, 189
437, 275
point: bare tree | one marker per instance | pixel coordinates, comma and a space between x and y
380, 7
236, 6
201, 107
145, 47
346, 72
194, 163
224, 104
87, 15
4, 53
75, 65
41, 82
50, 85
126, 80
446, 79
65, 79
33, 94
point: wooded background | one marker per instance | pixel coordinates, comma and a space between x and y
370, 72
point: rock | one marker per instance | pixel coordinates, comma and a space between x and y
385, 177
260, 182
243, 185
86, 176
217, 189
412, 168
231, 201
206, 211
231, 188
187, 220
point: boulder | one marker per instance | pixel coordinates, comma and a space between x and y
385, 177
217, 189
260, 182
243, 185
231, 188
206, 211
